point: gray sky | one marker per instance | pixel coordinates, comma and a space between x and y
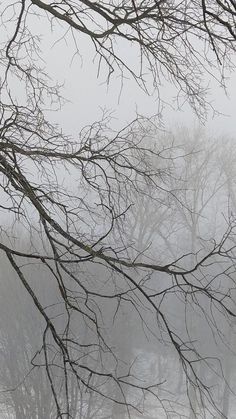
88, 94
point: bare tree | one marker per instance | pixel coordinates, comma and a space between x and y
70, 194
25, 388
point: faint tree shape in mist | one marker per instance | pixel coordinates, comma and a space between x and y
71, 194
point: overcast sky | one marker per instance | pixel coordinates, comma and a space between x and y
88, 93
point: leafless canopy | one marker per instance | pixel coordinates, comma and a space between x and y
74, 195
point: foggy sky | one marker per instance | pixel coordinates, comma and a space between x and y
88, 93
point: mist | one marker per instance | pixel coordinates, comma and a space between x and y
117, 203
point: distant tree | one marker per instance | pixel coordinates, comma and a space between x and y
191, 216
24, 389
70, 194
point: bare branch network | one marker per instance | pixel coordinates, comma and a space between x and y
80, 201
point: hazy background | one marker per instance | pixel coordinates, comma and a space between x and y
88, 92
